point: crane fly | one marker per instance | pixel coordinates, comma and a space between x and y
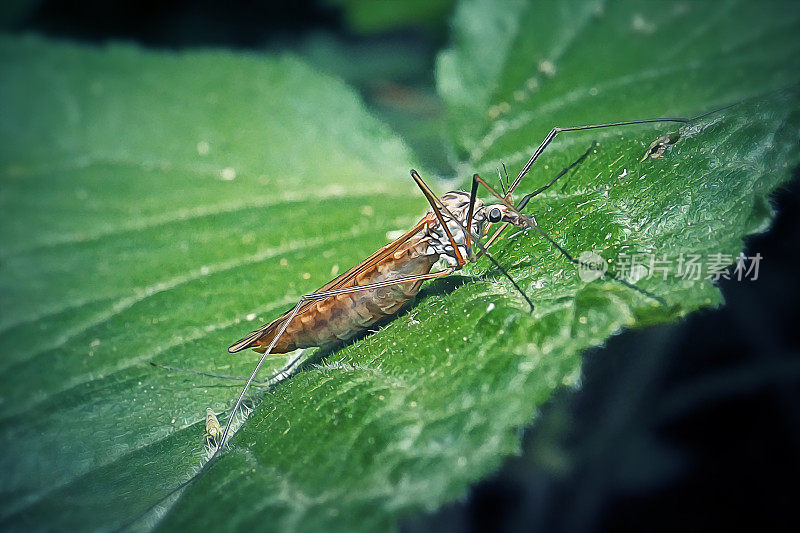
381, 284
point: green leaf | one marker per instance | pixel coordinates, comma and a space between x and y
124, 240
409, 417
151, 204
519, 68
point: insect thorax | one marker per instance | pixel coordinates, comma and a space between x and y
457, 202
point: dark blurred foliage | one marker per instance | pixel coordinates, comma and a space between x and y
694, 425
178, 23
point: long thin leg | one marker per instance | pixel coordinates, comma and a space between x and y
549, 184
532, 223
433, 199
584, 264
313, 297
198, 372
225, 376
505, 199
525, 199
476, 179
473, 193
304, 298
555, 131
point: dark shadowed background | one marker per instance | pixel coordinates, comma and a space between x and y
693, 425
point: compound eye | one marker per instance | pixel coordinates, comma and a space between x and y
495, 215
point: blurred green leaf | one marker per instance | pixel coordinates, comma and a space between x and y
518, 68
153, 204
395, 78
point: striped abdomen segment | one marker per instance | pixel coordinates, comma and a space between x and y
343, 316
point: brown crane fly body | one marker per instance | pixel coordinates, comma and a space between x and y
341, 316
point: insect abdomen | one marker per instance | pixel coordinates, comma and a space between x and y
343, 316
